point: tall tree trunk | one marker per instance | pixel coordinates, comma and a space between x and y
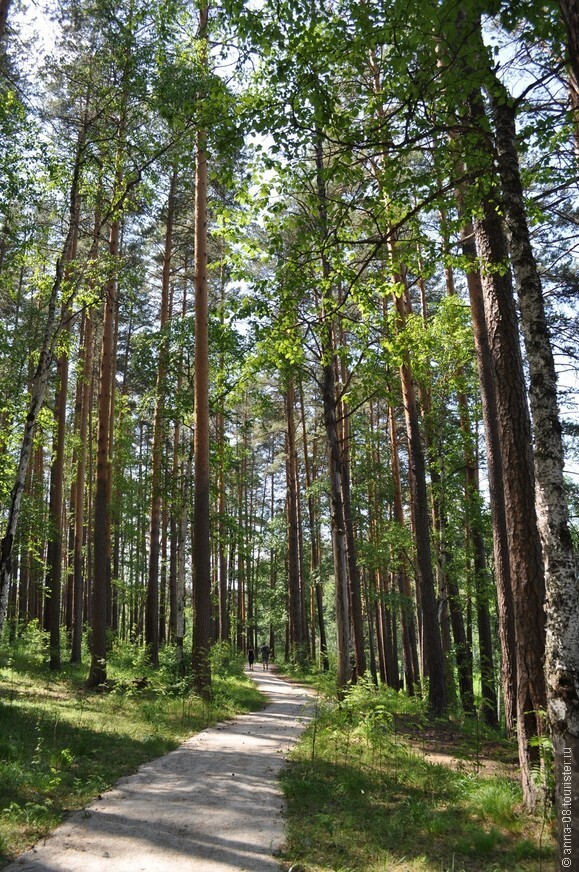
474, 534
409, 640
526, 562
561, 581
152, 606
377, 626
69, 616
36, 573
419, 507
222, 545
310, 470
178, 508
173, 533
386, 619
38, 389
303, 575
25, 578
381, 630
248, 535
201, 544
484, 357
181, 565
447, 615
163, 573
330, 407
53, 580
482, 583
434, 658
89, 524
450, 608
482, 591
371, 632
297, 629
222, 538
353, 569
272, 563
241, 629
495, 478
338, 531
514, 430
101, 526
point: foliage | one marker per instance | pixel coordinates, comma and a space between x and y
345, 165
361, 796
61, 745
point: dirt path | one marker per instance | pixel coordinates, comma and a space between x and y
212, 805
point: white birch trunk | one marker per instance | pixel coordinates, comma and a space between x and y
561, 581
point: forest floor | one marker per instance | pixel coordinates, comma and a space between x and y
471, 752
371, 785
375, 786
213, 804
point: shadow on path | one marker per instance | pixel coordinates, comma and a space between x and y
212, 805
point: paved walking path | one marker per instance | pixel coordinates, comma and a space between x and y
212, 805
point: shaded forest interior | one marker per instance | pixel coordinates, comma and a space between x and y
288, 298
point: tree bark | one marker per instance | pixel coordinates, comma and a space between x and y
38, 391
353, 569
525, 557
330, 409
241, 629
25, 578
337, 526
36, 573
69, 604
297, 629
561, 581
222, 505
514, 430
173, 533
152, 604
409, 640
482, 585
53, 579
419, 506
201, 543
373, 588
450, 608
473, 531
310, 470
101, 526
495, 478
178, 507
437, 696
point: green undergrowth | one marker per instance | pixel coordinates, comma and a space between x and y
362, 798
60, 745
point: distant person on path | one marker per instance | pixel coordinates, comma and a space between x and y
250, 658
265, 656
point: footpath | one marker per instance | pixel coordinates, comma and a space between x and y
212, 805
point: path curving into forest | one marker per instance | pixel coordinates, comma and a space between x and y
212, 805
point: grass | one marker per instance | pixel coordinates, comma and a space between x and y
362, 797
60, 746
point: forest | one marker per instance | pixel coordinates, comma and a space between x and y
288, 342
